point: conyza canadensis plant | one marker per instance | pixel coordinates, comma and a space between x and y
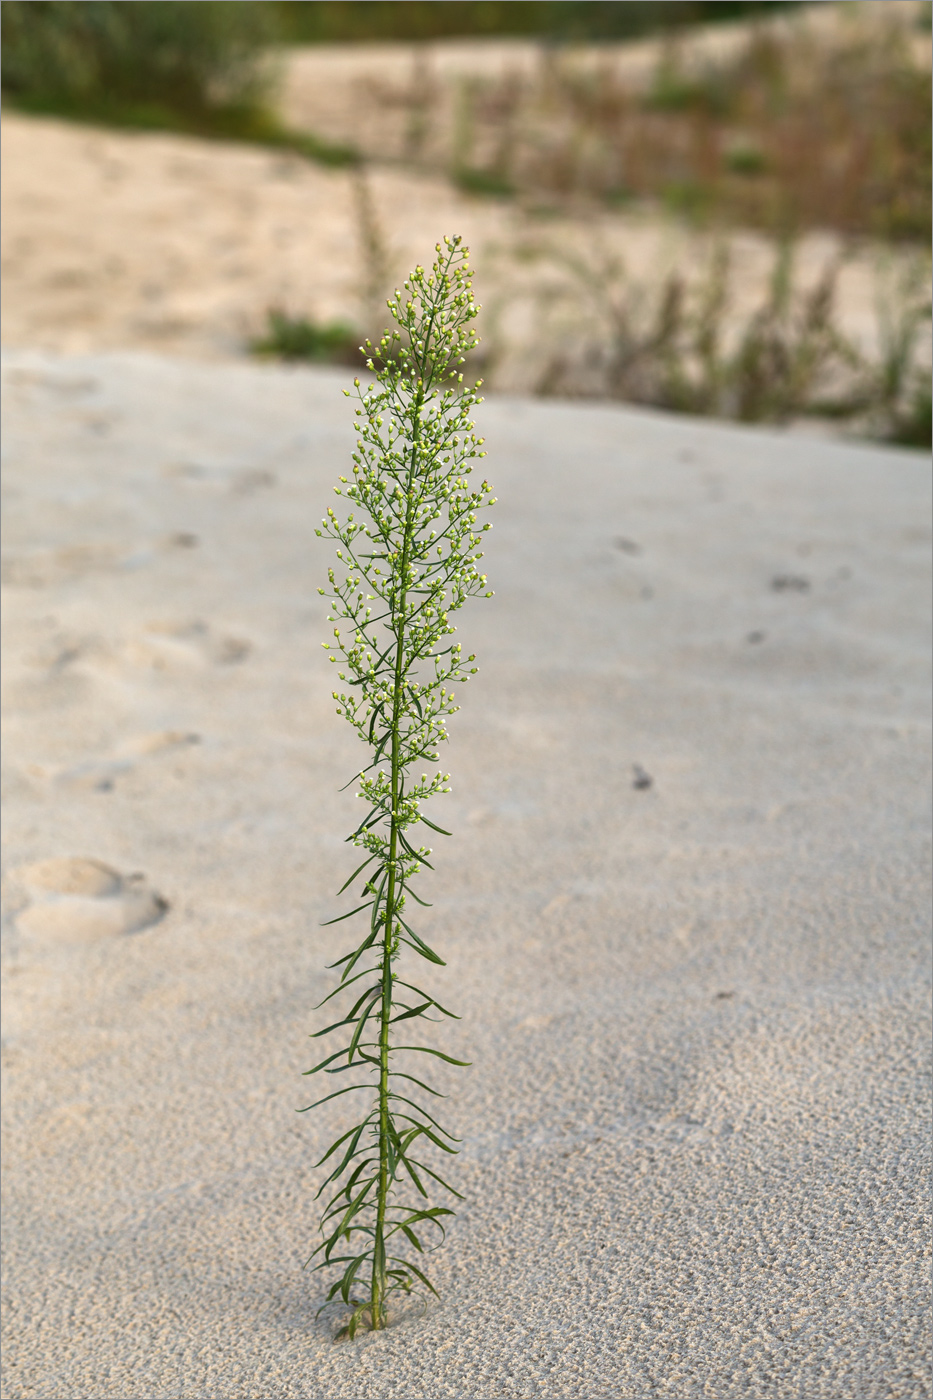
409, 554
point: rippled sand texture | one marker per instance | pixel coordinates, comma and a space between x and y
684, 910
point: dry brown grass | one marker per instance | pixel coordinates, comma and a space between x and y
696, 345
790, 125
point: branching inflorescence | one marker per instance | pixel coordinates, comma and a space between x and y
409, 554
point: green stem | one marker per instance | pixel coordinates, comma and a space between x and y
378, 1289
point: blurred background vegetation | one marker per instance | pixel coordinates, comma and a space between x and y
560, 21
777, 133
197, 64
777, 136
165, 61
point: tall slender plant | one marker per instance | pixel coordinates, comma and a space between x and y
408, 552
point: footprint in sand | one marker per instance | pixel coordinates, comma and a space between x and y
58, 566
102, 774
93, 776
163, 645
238, 481
74, 900
69, 385
144, 745
169, 646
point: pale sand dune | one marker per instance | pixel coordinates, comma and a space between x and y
361, 94
114, 240
696, 1128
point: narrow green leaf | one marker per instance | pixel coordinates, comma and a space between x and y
368, 942
426, 1132
335, 1056
431, 999
337, 1092
423, 1128
425, 952
415, 855
368, 861
372, 724
400, 1074
446, 1184
342, 986
411, 1103
417, 937
413, 1174
362, 1022
340, 918
423, 1277
425, 904
357, 1128
407, 1015
351, 1016
360, 1057
430, 1213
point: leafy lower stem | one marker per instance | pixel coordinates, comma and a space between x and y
378, 1289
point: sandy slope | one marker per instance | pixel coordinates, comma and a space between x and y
151, 241
363, 94
696, 1125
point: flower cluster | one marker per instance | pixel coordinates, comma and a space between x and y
410, 546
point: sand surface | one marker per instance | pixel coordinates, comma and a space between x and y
697, 1121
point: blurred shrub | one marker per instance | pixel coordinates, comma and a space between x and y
189, 58
673, 90
689, 347
896, 391
745, 160
483, 182
914, 427
181, 65
192, 56
787, 131
671, 351
342, 21
297, 338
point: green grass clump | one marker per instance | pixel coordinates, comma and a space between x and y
483, 182
745, 160
688, 199
297, 338
675, 91
914, 427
